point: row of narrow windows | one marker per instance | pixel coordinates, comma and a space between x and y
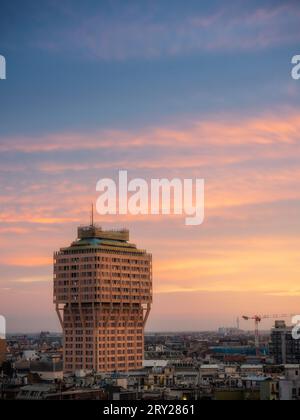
83, 267
144, 260
101, 353
111, 367
87, 298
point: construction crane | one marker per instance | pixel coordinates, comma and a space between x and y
258, 319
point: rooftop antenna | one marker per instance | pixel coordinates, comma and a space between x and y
92, 215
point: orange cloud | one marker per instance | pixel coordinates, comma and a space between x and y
247, 247
26, 261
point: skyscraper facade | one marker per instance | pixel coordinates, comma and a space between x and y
103, 296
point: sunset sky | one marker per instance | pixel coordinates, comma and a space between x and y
187, 89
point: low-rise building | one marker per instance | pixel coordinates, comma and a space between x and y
289, 386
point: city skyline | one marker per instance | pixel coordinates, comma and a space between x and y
193, 91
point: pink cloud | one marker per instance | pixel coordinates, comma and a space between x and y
252, 196
226, 130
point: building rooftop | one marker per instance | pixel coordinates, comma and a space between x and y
155, 363
210, 366
94, 236
96, 232
256, 378
254, 366
289, 366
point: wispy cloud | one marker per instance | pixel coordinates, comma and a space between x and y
138, 36
33, 279
278, 128
246, 162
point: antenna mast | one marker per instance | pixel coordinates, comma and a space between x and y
92, 215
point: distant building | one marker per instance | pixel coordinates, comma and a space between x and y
48, 369
35, 392
229, 331
269, 390
283, 348
2, 351
103, 295
30, 355
289, 387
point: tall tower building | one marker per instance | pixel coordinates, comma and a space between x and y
103, 296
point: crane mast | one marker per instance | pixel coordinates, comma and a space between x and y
257, 320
